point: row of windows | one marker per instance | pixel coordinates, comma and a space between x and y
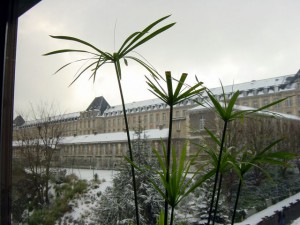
99, 149
158, 118
289, 102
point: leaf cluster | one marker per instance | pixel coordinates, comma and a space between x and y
97, 58
170, 96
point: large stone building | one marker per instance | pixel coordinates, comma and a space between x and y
95, 137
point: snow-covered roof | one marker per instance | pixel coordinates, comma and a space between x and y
63, 117
135, 107
240, 107
152, 134
254, 87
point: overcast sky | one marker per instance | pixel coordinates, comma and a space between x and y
231, 40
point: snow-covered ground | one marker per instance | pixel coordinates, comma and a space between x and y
105, 176
82, 207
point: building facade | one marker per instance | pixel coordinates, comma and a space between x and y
95, 137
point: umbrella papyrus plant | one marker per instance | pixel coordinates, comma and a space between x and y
97, 58
178, 184
253, 158
172, 96
227, 112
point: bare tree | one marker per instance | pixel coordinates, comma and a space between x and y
37, 145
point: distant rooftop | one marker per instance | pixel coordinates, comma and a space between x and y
153, 134
207, 106
254, 87
99, 103
64, 117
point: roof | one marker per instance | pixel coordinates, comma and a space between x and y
99, 103
153, 134
254, 87
239, 108
64, 117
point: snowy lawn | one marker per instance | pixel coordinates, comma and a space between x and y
82, 207
86, 174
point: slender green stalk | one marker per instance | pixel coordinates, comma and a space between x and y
217, 172
218, 196
236, 201
172, 215
172, 96
130, 149
168, 164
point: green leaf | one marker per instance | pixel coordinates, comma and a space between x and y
82, 42
217, 105
231, 105
69, 50
270, 105
125, 61
149, 37
180, 84
170, 88
213, 137
139, 35
82, 71
150, 69
64, 66
127, 40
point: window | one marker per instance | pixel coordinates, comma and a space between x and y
289, 102
177, 114
178, 125
265, 102
255, 104
151, 118
164, 117
298, 100
278, 105
157, 118
201, 122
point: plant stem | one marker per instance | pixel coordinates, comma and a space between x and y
218, 196
168, 162
172, 216
129, 147
236, 201
217, 171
